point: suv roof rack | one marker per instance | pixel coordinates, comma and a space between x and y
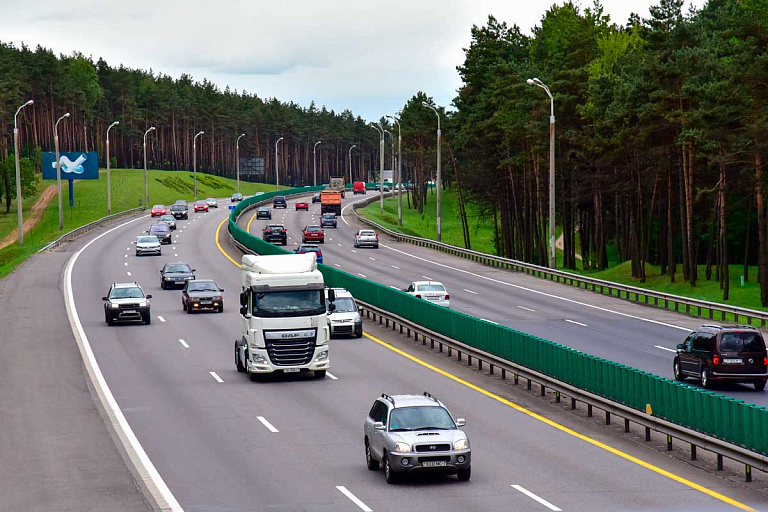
387, 397
750, 327
713, 326
431, 397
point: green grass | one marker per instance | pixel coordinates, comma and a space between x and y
90, 203
8, 220
424, 225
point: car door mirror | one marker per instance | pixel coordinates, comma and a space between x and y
379, 425
105, 298
134, 242
460, 422
221, 289
680, 346
149, 296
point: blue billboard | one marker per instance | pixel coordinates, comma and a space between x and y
75, 165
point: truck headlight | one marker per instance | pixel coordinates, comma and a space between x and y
322, 356
402, 448
461, 444
258, 359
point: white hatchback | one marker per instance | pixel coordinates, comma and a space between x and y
433, 291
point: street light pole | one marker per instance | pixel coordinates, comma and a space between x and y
277, 166
194, 160
146, 187
18, 172
438, 181
237, 157
350, 161
381, 166
538, 83
392, 139
109, 184
58, 168
399, 169
314, 161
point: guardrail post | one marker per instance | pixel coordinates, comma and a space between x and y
693, 452
719, 462
543, 390
480, 364
557, 397
491, 368
626, 425
503, 374
529, 384
607, 418
647, 434
589, 410
669, 443
748, 472
516, 377
573, 403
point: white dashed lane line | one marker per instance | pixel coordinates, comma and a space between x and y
396, 267
470, 291
175, 254
128, 273
337, 265
536, 498
527, 309
331, 376
354, 499
339, 245
371, 258
215, 376
126, 263
362, 275
427, 278
353, 250
575, 322
267, 424
183, 343
125, 255
490, 321
160, 318
665, 348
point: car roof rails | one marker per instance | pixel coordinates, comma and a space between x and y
387, 397
431, 397
750, 327
713, 326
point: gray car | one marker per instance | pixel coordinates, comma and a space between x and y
415, 433
345, 318
366, 237
169, 220
126, 302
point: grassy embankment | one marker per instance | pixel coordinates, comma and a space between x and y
481, 233
90, 204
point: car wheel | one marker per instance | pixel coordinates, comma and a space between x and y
464, 474
705, 383
108, 318
285, 243
147, 318
759, 385
319, 374
162, 285
389, 475
359, 333
221, 308
189, 310
372, 463
678, 374
183, 305
238, 363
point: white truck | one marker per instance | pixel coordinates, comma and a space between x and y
283, 316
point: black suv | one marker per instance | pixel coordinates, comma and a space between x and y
714, 352
126, 301
279, 202
275, 233
264, 213
179, 211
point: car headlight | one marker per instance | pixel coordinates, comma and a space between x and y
461, 444
143, 304
114, 306
402, 448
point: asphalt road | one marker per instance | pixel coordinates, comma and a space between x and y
223, 443
630, 334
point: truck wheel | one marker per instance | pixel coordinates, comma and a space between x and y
319, 374
238, 363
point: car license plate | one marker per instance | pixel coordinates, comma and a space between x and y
130, 311
292, 370
206, 302
433, 463
732, 361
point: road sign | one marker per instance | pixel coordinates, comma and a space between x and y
232, 207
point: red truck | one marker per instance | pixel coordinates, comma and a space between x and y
358, 187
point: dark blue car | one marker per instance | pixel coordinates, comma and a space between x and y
306, 248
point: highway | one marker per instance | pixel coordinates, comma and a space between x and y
638, 336
223, 443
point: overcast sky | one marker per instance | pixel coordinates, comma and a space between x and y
369, 57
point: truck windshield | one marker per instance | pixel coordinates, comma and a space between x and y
288, 303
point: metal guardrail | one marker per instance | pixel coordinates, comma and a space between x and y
689, 306
90, 226
648, 422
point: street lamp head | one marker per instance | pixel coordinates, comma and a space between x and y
530, 81
30, 102
65, 115
425, 104
152, 128
242, 135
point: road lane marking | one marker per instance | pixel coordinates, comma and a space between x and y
470, 291
128, 273
127, 248
126, 263
336, 264
331, 376
527, 309
575, 322
339, 245
395, 287
362, 275
183, 343
564, 429
353, 250
537, 498
175, 254
160, 318
354, 499
427, 278
519, 287
267, 424
396, 267
218, 244
215, 376
369, 257
665, 348
490, 321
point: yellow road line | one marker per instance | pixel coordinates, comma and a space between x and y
248, 227
565, 429
538, 417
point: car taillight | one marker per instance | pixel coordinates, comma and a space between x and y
447, 297
765, 361
377, 236
418, 295
716, 360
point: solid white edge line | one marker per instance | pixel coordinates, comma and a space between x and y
575, 322
331, 376
267, 424
216, 376
572, 301
395, 287
536, 498
665, 348
153, 486
183, 343
527, 309
354, 499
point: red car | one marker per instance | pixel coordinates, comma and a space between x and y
158, 210
302, 205
313, 234
201, 206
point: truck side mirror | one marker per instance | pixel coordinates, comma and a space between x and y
243, 299
331, 307
243, 310
331, 295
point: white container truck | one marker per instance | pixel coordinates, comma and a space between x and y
283, 316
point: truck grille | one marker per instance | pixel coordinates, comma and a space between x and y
290, 352
433, 447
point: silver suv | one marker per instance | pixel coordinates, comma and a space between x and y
410, 433
345, 318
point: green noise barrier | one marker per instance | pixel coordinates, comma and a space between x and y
729, 419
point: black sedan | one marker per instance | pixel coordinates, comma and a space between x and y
264, 212
162, 231
202, 294
179, 211
175, 274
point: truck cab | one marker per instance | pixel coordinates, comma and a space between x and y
283, 316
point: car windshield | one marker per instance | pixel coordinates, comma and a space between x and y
431, 288
741, 342
420, 418
200, 202
210, 199
159, 227
274, 228
237, 194
166, 217
177, 207
202, 286
178, 267
288, 303
329, 216
309, 248
147, 239
345, 305
314, 228
264, 209
158, 207
126, 293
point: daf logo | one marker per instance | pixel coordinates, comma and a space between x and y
290, 335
